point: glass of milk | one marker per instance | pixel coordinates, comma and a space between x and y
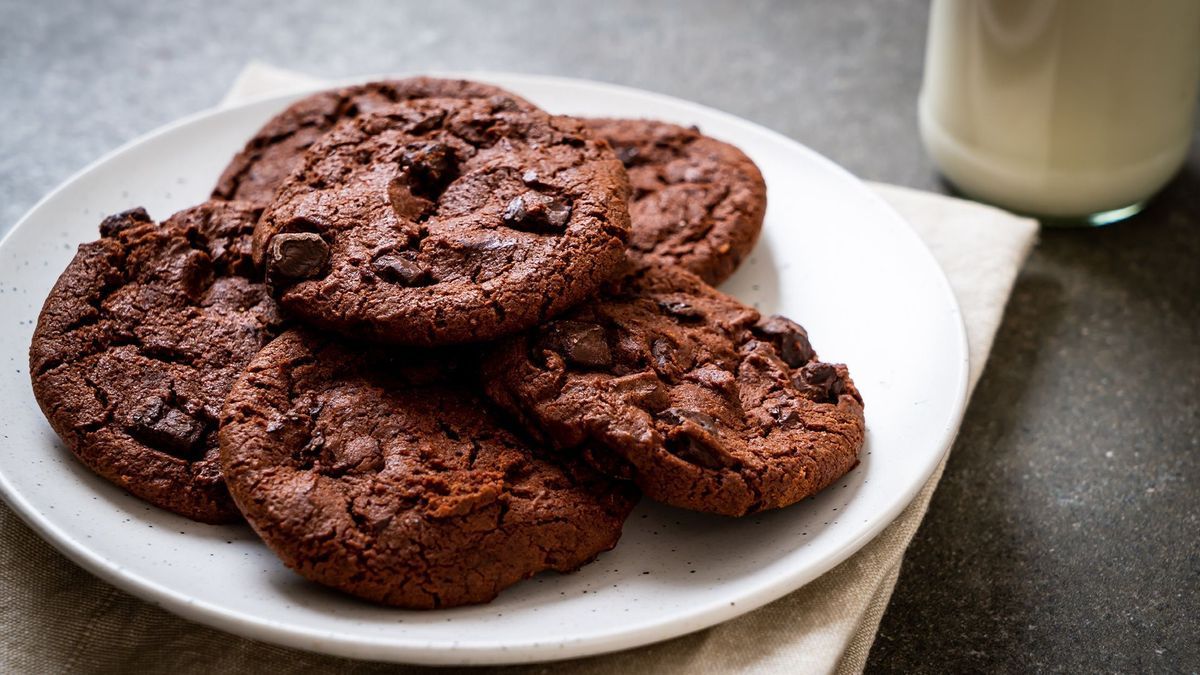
1076, 111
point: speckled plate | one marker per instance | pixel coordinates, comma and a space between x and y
833, 256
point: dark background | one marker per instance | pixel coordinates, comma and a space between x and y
1065, 534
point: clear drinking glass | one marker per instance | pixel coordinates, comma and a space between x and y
1076, 111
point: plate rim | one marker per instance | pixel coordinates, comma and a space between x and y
448, 652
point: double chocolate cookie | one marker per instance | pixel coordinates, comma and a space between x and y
445, 220
703, 403
278, 148
697, 202
139, 342
380, 473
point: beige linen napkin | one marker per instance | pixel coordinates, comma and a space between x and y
54, 617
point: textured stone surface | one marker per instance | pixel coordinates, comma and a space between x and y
1040, 549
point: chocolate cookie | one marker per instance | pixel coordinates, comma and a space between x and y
278, 148
443, 220
697, 202
703, 403
382, 474
138, 344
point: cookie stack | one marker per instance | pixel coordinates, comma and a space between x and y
429, 340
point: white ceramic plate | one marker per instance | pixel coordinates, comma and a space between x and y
833, 256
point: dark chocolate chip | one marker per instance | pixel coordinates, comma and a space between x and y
789, 338
579, 342
627, 154
402, 268
663, 352
681, 310
819, 382
785, 416
694, 438
515, 211
503, 103
557, 214
536, 212
297, 255
679, 416
405, 203
167, 428
696, 451
428, 121
431, 164
307, 456
113, 224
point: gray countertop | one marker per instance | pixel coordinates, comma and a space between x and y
1065, 534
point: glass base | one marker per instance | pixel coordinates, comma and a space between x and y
1092, 220
1096, 219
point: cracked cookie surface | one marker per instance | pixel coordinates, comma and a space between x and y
139, 342
445, 220
686, 391
278, 147
380, 472
697, 202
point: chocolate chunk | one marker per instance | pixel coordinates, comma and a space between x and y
503, 102
405, 203
681, 309
579, 342
297, 255
644, 390
515, 211
661, 350
113, 224
402, 268
429, 121
431, 165
537, 212
819, 382
786, 415
694, 438
696, 451
679, 416
159, 425
789, 338
627, 154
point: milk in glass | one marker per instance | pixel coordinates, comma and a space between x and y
1077, 109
